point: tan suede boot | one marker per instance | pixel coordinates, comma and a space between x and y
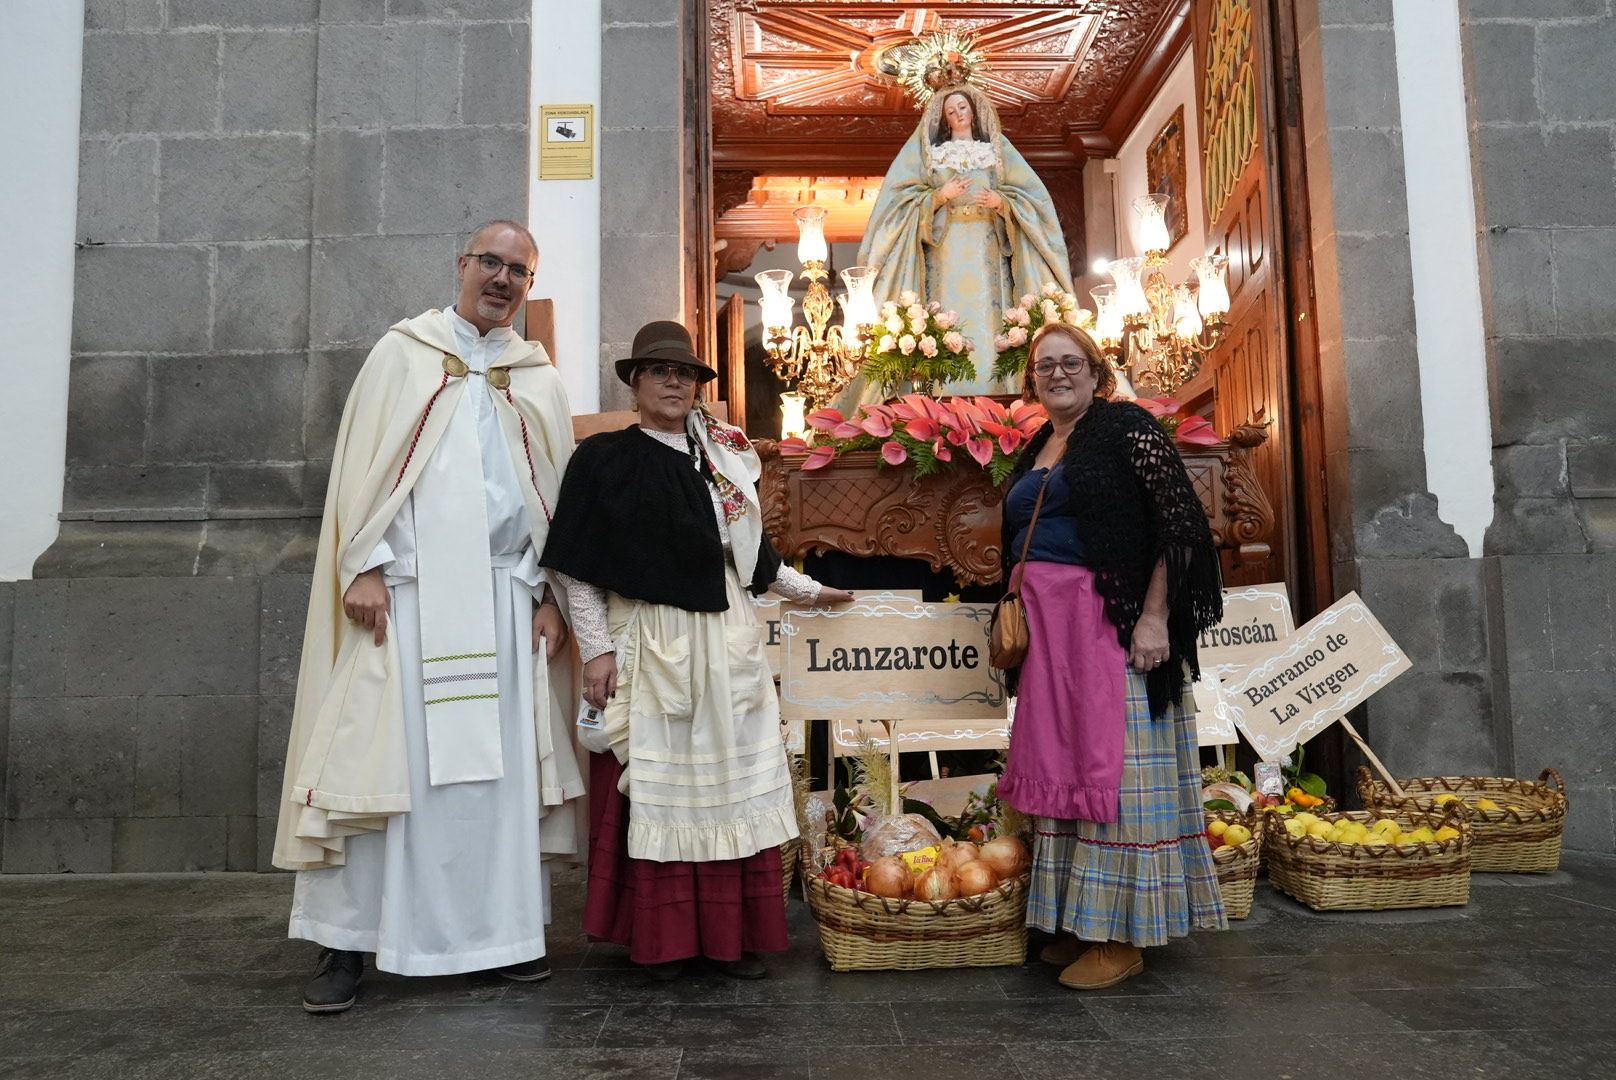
1063, 950
1102, 966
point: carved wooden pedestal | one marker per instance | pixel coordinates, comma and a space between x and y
862, 506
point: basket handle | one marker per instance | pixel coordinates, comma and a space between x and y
1366, 781
1552, 773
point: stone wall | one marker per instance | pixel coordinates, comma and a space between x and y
1544, 109
264, 188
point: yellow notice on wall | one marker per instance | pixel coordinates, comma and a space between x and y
566, 142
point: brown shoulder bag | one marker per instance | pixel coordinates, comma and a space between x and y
1009, 636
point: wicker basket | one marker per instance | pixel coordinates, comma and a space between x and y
1522, 838
1359, 877
788, 865
860, 931
1237, 866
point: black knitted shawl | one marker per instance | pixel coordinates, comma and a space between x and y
1134, 505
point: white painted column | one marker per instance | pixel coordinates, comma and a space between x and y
565, 214
41, 57
1442, 234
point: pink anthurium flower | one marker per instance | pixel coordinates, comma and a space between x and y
819, 457
941, 452
1010, 441
957, 436
878, 425
792, 444
847, 429
893, 452
981, 449
874, 409
825, 419
922, 428
1197, 431
903, 410
1158, 406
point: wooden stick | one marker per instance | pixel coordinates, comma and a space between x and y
892, 752
1352, 733
1222, 760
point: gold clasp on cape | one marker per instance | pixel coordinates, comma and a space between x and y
499, 378
455, 367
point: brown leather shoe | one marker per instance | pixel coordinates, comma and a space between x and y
1063, 950
1102, 966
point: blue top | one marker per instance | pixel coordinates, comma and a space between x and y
1055, 540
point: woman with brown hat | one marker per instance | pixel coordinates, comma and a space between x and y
657, 540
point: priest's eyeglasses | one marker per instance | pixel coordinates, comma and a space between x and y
663, 372
1069, 364
492, 263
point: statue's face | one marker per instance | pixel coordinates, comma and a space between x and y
957, 111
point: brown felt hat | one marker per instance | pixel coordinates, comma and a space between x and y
664, 342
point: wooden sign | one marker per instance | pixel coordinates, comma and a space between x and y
1336, 662
769, 608
1256, 618
889, 657
566, 142
926, 736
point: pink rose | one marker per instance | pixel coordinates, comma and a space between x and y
1000, 343
934, 307
906, 344
915, 311
928, 346
954, 340
1017, 336
894, 324
907, 297
917, 326
1011, 315
948, 319
1051, 312
886, 344
1051, 289
1027, 299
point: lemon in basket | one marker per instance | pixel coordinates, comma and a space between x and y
1236, 834
1446, 832
1445, 798
1297, 829
1487, 804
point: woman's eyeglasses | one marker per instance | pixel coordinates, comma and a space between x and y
1071, 365
662, 372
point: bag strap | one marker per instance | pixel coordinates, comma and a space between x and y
1026, 545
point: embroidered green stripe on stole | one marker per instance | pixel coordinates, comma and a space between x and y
458, 656
462, 697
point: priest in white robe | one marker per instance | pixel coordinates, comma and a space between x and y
431, 777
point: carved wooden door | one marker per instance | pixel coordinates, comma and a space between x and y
1245, 377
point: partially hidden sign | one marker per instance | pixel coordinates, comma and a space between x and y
1255, 619
1335, 663
888, 657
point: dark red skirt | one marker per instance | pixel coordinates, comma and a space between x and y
674, 910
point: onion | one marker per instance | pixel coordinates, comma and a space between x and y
956, 855
889, 876
975, 878
936, 884
1006, 855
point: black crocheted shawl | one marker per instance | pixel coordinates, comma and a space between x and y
1134, 504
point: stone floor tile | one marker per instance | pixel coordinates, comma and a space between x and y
1039, 980
1250, 1015
1371, 971
749, 1025
813, 981
747, 1063
503, 1026
342, 1064
626, 986
1507, 1009
1410, 1056
1179, 1059
953, 1062
1066, 1019
283, 1027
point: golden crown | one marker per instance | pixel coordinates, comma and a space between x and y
945, 58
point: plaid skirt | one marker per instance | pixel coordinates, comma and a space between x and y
1148, 876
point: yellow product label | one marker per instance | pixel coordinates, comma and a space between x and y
924, 859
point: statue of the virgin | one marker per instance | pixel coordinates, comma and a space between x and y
964, 221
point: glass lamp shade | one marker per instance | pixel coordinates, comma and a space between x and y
1212, 273
793, 422
858, 306
1152, 211
1107, 318
811, 234
775, 303
1131, 302
1186, 320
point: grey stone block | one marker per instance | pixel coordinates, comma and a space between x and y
325, 391
347, 182
228, 408
136, 487
241, 843
230, 13
1360, 71
39, 642
362, 285
245, 187
123, 15
1462, 615
1376, 277
57, 846
1500, 60
1561, 719
352, 11
1394, 518
1592, 468
1575, 62
643, 196
1541, 525
261, 296
71, 757
1535, 470
146, 82
218, 754
85, 549
1580, 623
1583, 300
1425, 723
1354, 12
1545, 385
159, 752
1597, 518
1382, 412
373, 76
106, 410
641, 82
1521, 277
1370, 196
274, 729
168, 844
493, 73
284, 606
1527, 642
1536, 178
268, 80
255, 548
1400, 592
8, 594
459, 9
640, 278
639, 11
117, 288
162, 636
118, 189
1590, 823
255, 487
454, 180
1535, 9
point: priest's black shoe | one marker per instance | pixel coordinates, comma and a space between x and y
532, 971
336, 982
